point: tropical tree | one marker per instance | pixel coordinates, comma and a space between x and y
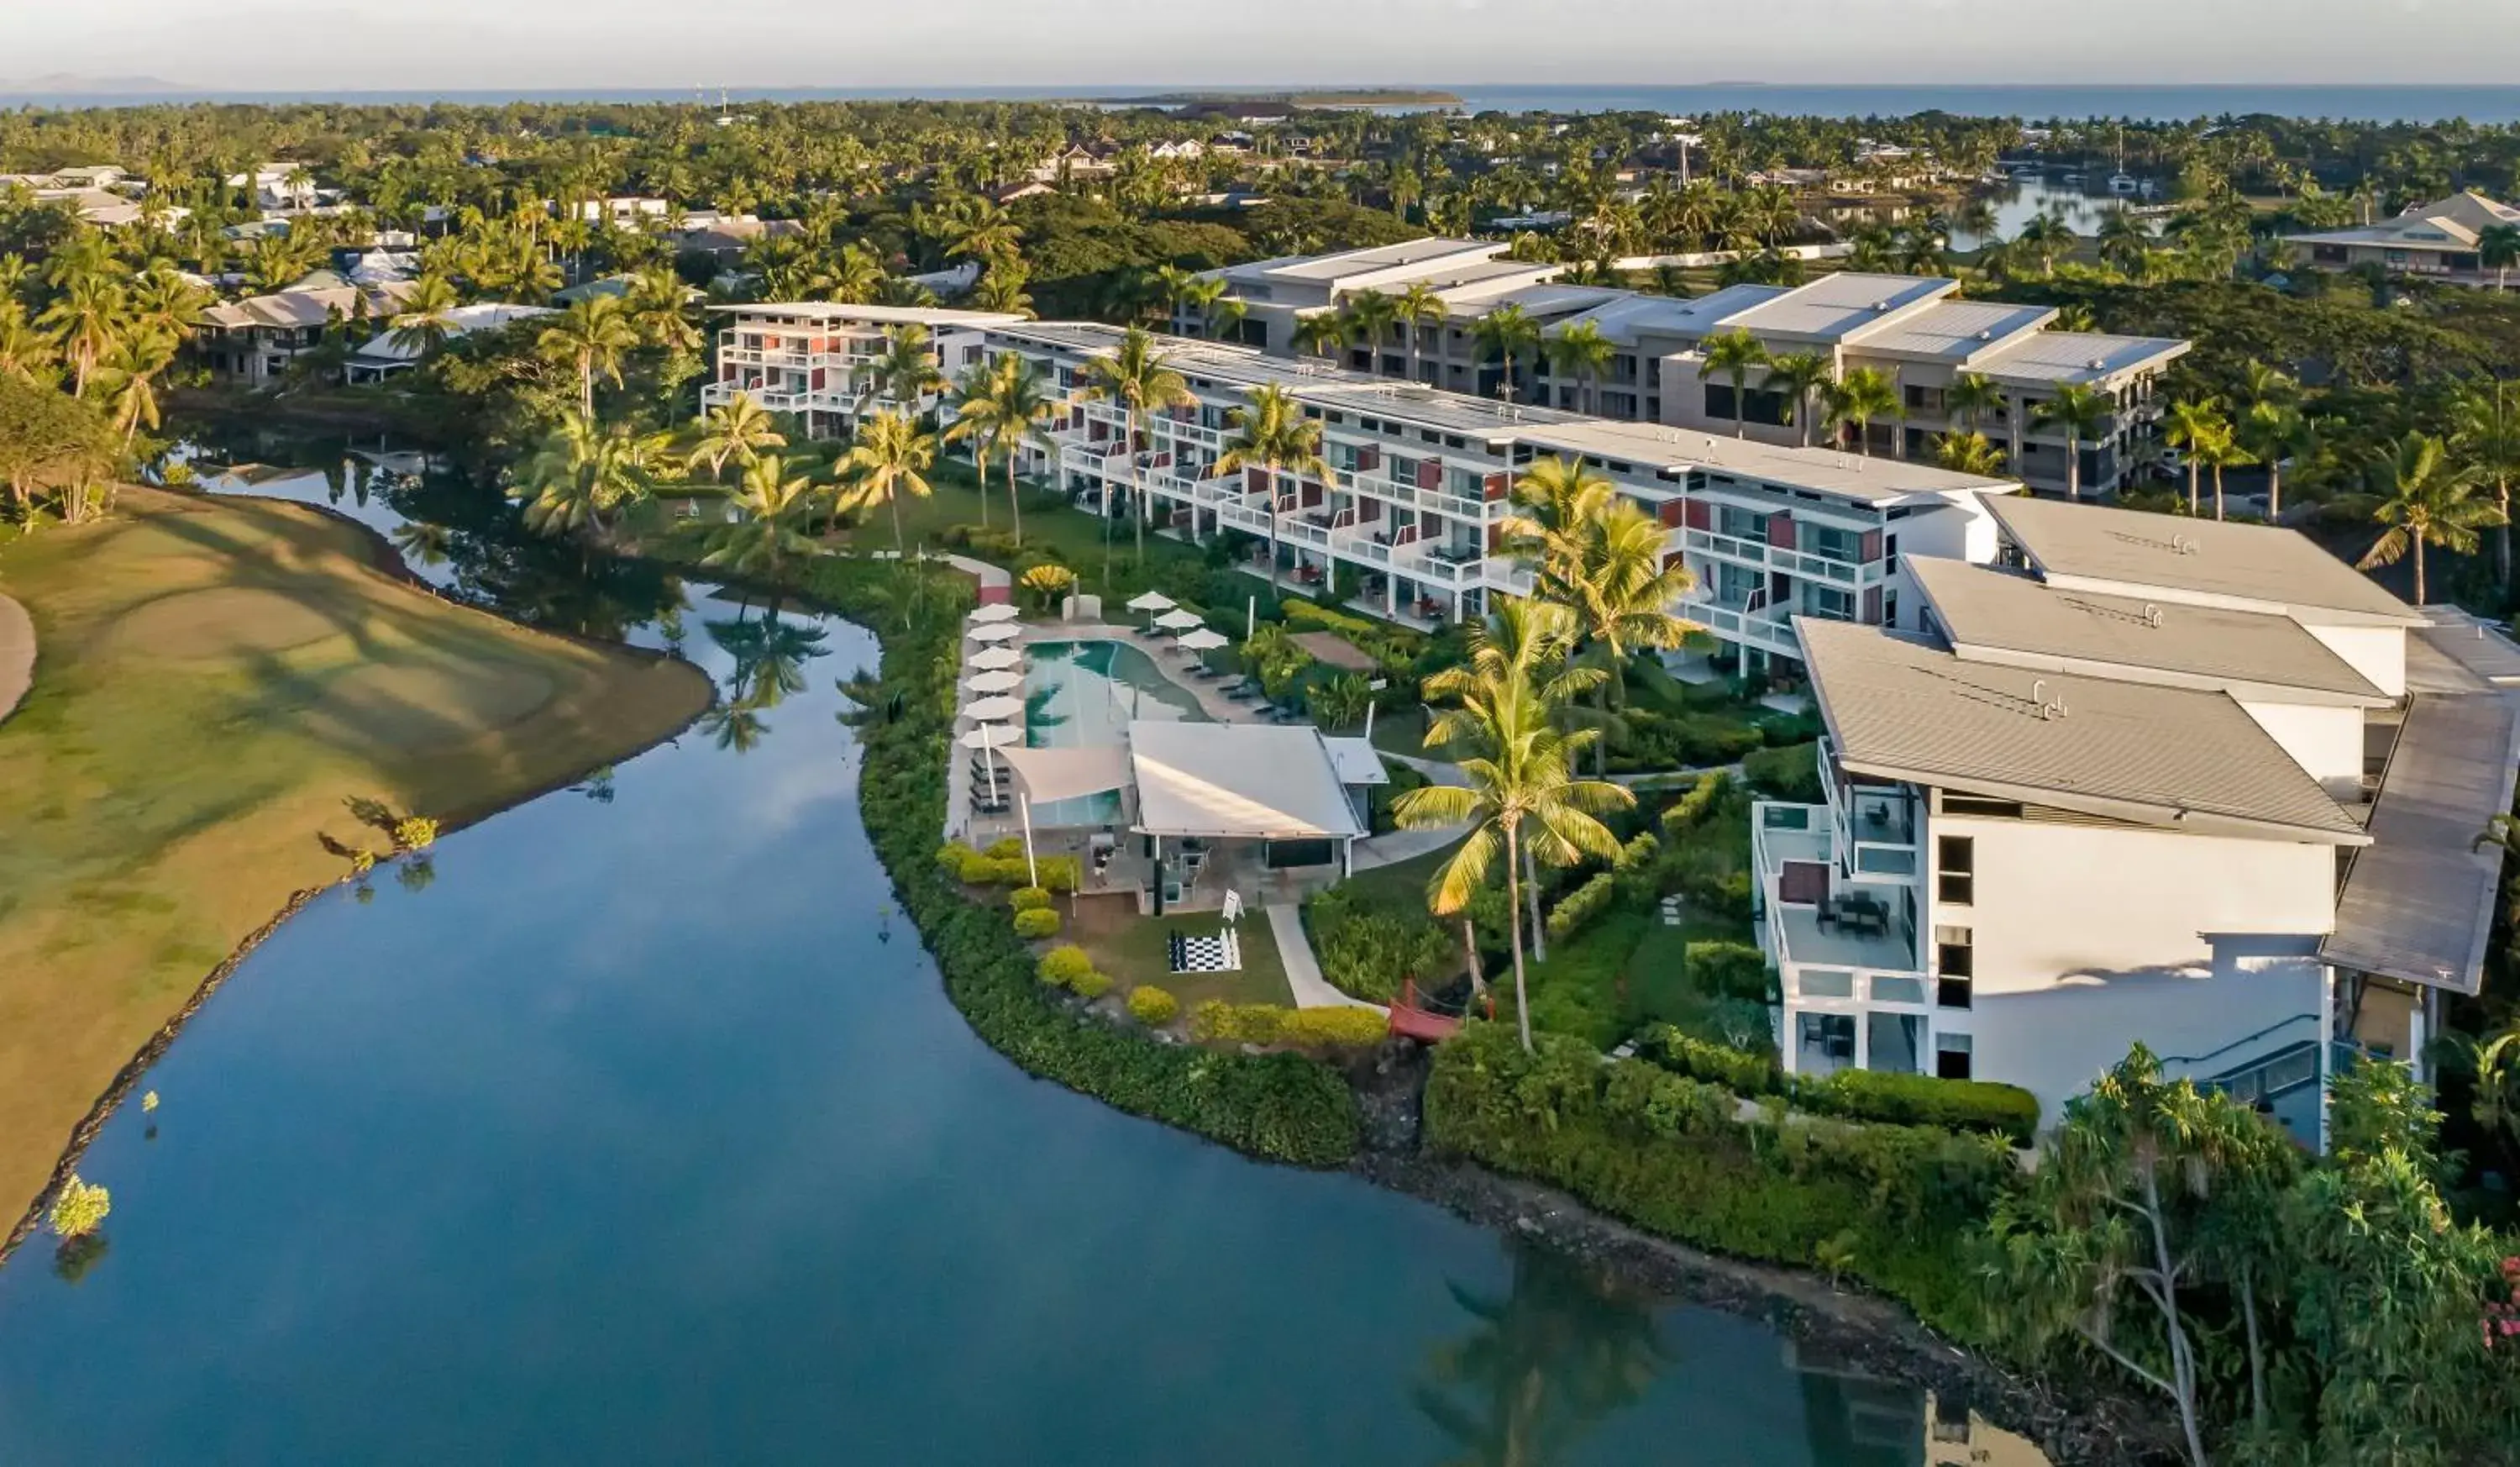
1006, 415
1323, 333
84, 319
2488, 432
1970, 396
2272, 433
2423, 498
2218, 450
128, 375
1139, 378
422, 326
2084, 412
774, 507
905, 371
890, 459
738, 431
1047, 582
1273, 436
1506, 332
1735, 354
585, 470
1370, 315
2498, 248
1969, 454
1800, 377
1862, 396
1421, 306
590, 337
1579, 351
2194, 421
1520, 793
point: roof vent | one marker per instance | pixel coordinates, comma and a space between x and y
2050, 712
2152, 615
2100, 364
1985, 336
2182, 545
1880, 305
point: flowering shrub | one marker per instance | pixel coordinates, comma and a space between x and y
1036, 922
1152, 1006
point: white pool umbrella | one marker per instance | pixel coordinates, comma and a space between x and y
990, 736
1204, 639
1152, 601
994, 660
997, 682
995, 631
1178, 620
995, 610
995, 709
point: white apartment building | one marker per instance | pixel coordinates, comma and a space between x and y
1912, 328
812, 358
1420, 478
2191, 784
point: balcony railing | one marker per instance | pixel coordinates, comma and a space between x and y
1413, 497
1421, 562
1751, 628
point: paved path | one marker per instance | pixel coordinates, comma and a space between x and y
1375, 851
16, 654
1303, 971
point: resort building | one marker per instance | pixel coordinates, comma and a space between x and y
2196, 785
250, 342
390, 352
814, 359
1913, 329
2448, 239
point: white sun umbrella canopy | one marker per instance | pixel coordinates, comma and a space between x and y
997, 682
996, 710
994, 660
990, 736
995, 610
995, 631
1152, 601
1178, 620
1205, 639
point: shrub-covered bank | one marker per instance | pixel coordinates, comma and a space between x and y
1282, 1107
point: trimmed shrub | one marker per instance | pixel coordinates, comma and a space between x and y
1152, 1006
1034, 923
1885, 1202
1006, 848
1029, 898
1365, 951
1091, 985
1736, 1070
1790, 772
1727, 970
1702, 796
1583, 905
1060, 873
1971, 1105
1064, 965
1219, 1022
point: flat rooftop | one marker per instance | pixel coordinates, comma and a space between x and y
1330, 268
1629, 316
2251, 566
2418, 905
1835, 308
1956, 332
2056, 357
880, 315
1825, 471
1983, 610
1899, 708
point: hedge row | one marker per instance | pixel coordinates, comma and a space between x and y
1884, 1202
1342, 1027
1967, 1104
1283, 1107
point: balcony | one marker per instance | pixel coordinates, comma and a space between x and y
1857, 935
1751, 628
1843, 573
1413, 497
1438, 565
1510, 576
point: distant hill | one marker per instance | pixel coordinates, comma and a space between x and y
68, 84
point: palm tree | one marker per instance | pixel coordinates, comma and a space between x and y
1420, 306
1861, 395
1274, 437
584, 471
2084, 412
1137, 377
2424, 498
2218, 450
1373, 314
904, 371
1735, 353
85, 319
2272, 433
2488, 433
1579, 350
2498, 248
1970, 398
422, 326
889, 459
129, 375
1323, 333
1520, 791
1505, 332
1799, 376
775, 505
1969, 454
738, 431
1006, 417
2194, 420
590, 337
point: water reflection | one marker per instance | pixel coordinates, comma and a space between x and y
1561, 1349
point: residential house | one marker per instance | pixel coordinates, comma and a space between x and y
251, 343
2194, 785
384, 355
2437, 240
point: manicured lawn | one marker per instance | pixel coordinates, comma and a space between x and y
215, 681
1134, 951
1050, 523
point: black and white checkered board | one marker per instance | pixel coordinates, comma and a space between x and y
1217, 955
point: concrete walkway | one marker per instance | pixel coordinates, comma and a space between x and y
1303, 971
17, 655
1376, 851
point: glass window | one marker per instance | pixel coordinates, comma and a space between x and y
1951, 1055
1956, 869
1741, 524
1899, 990
1954, 953
1827, 983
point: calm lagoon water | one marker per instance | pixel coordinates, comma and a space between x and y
644, 1133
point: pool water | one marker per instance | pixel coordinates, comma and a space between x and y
1088, 693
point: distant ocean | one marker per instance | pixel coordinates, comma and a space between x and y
2494, 104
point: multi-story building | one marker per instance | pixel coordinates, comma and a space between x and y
2196, 785
2445, 240
813, 358
250, 342
1911, 328
1420, 481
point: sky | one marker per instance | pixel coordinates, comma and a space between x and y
233, 45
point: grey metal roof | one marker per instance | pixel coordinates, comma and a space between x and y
2242, 565
2418, 905
1956, 331
1840, 306
2085, 631
2053, 358
1237, 781
1899, 708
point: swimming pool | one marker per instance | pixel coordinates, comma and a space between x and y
1086, 693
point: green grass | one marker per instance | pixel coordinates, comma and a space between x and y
214, 679
1050, 523
1134, 951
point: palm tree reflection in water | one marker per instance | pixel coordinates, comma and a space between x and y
1563, 1350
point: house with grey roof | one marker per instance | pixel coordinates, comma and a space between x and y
2446, 240
2141, 779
